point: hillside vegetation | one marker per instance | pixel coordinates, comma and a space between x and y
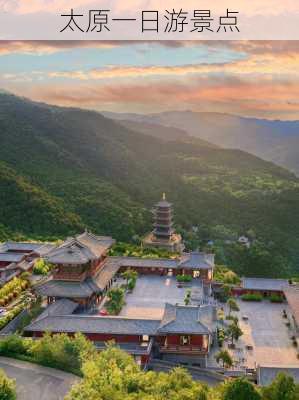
65, 169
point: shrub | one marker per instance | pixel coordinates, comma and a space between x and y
131, 284
41, 267
57, 351
115, 300
184, 278
12, 288
252, 297
274, 298
12, 345
225, 275
11, 315
7, 387
220, 336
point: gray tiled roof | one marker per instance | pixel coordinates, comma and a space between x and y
80, 249
197, 259
106, 273
187, 260
95, 324
20, 246
264, 284
267, 373
67, 289
44, 249
292, 296
187, 319
139, 262
59, 307
11, 257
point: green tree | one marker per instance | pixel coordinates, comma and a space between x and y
232, 305
7, 387
282, 388
239, 389
115, 300
114, 375
234, 332
224, 357
41, 267
131, 276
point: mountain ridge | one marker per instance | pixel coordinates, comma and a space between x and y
98, 174
272, 140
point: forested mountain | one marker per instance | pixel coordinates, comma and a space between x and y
64, 169
276, 141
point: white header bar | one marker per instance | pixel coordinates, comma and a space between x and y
149, 20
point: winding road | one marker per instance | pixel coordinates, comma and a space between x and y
37, 382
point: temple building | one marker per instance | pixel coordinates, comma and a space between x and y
183, 334
163, 235
16, 258
80, 273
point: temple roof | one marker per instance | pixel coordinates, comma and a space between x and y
140, 262
264, 284
187, 319
59, 307
94, 324
67, 289
106, 273
20, 246
26, 247
11, 257
292, 296
196, 259
58, 317
80, 249
163, 202
187, 260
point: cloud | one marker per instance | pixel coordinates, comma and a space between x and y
263, 97
264, 82
285, 64
259, 47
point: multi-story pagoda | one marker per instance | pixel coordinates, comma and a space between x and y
163, 235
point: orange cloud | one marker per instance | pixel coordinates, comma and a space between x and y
264, 98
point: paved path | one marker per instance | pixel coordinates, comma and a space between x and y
37, 382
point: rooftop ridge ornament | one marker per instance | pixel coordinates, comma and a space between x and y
163, 196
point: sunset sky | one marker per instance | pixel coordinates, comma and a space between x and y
259, 79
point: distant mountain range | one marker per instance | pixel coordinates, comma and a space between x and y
276, 141
64, 169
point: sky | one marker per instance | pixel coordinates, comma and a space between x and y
254, 78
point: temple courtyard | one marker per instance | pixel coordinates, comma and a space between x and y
152, 292
265, 330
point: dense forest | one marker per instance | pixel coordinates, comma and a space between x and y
64, 169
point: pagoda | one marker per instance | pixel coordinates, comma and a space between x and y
163, 235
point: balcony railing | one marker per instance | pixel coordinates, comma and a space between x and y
69, 276
183, 349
